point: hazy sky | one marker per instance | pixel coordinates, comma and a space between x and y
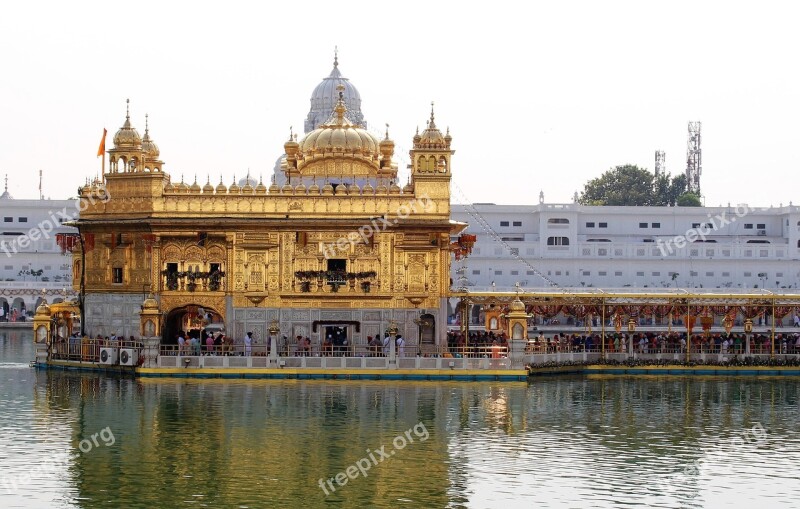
538, 95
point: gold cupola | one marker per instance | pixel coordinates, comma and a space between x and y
127, 136
149, 147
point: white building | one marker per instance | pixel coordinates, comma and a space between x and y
572, 245
28, 245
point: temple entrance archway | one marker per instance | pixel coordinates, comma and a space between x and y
191, 319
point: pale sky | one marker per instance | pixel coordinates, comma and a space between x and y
537, 95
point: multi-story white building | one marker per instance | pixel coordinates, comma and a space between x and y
27, 246
572, 245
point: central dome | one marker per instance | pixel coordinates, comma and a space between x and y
338, 134
325, 97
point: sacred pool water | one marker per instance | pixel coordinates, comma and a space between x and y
71, 440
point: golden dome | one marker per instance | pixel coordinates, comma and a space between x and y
287, 188
300, 189
221, 189
234, 188
431, 137
150, 303
43, 308
337, 135
408, 188
327, 188
273, 188
195, 187
127, 136
394, 188
149, 147
381, 189
261, 188
169, 188
208, 188
368, 189
517, 305
313, 188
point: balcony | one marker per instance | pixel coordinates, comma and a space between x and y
193, 281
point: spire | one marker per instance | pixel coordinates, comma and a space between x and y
336, 56
146, 124
432, 124
127, 124
387, 132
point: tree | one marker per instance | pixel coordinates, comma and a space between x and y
629, 185
689, 200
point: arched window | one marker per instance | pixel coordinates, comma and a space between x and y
557, 241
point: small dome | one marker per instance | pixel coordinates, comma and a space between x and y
169, 188
247, 188
367, 189
195, 187
431, 137
517, 305
43, 308
273, 188
300, 189
287, 189
381, 189
221, 189
150, 303
234, 189
394, 188
183, 187
149, 147
261, 188
313, 188
127, 136
408, 188
327, 188
208, 188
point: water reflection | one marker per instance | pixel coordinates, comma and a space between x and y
577, 442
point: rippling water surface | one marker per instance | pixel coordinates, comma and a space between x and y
85, 441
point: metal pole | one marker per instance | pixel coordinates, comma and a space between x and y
772, 353
603, 330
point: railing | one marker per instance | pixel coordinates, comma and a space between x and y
262, 350
86, 349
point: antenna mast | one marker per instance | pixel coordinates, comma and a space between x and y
694, 165
661, 167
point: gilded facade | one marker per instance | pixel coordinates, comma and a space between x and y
339, 243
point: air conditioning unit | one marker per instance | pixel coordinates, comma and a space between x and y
128, 356
762, 233
108, 355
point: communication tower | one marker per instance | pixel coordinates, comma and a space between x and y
694, 165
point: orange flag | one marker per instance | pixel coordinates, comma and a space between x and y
102, 149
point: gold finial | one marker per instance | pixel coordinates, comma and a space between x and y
208, 178
128, 109
417, 130
181, 178
291, 133
234, 178
432, 124
146, 122
195, 178
387, 131
340, 107
220, 178
336, 56
260, 179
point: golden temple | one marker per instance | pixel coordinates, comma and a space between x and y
338, 244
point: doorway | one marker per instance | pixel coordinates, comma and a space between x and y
336, 336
